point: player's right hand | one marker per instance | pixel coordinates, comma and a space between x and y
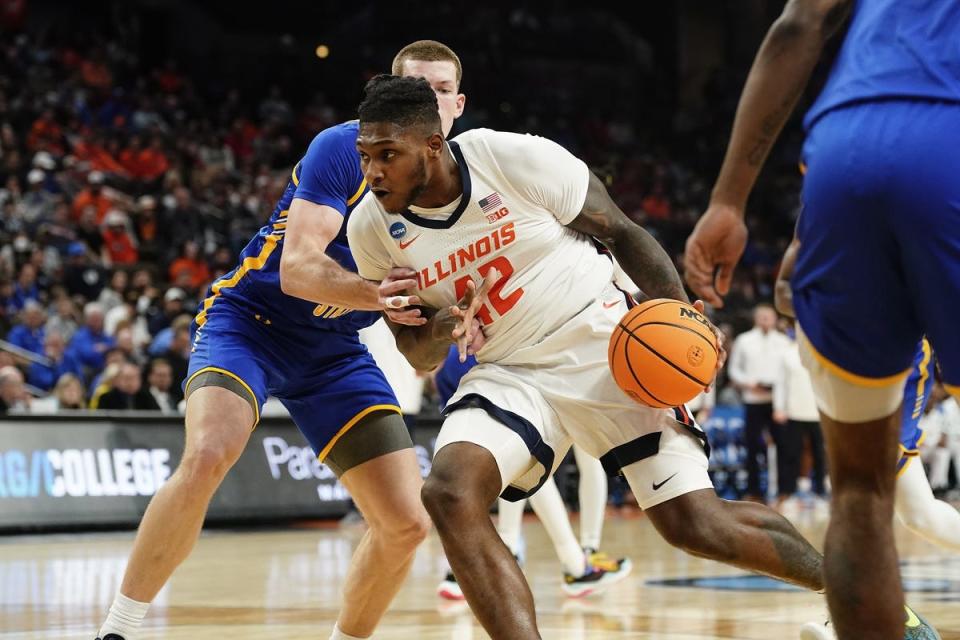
717, 242
398, 306
469, 332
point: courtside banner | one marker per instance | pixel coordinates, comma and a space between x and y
81, 471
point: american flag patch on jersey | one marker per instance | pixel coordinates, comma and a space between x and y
491, 202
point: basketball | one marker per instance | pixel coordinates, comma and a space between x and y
663, 353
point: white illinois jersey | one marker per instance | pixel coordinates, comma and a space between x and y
518, 193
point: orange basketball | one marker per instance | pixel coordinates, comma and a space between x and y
663, 353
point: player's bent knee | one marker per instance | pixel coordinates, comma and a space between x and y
446, 500
405, 532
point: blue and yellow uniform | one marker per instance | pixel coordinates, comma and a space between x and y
879, 259
915, 397
309, 356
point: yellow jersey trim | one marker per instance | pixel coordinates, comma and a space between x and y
354, 420
356, 196
906, 464
293, 175
952, 389
924, 376
853, 378
230, 374
249, 263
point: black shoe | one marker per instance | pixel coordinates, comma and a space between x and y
111, 636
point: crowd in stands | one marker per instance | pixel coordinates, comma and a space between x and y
125, 191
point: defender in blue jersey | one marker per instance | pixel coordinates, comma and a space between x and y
879, 259
284, 323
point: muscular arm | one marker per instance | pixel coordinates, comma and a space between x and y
307, 272
782, 295
639, 255
776, 81
425, 347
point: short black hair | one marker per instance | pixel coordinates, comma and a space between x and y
403, 101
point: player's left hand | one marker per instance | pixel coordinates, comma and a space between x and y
721, 350
470, 331
717, 241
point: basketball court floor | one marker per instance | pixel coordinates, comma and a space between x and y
253, 585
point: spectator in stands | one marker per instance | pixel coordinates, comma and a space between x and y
178, 353
126, 343
190, 270
82, 276
63, 315
90, 343
113, 295
103, 381
795, 408
13, 393
44, 376
153, 236
160, 383
28, 335
26, 287
37, 203
119, 246
67, 395
173, 306
92, 196
753, 366
128, 393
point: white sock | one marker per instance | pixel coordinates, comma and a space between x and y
340, 635
124, 617
593, 498
549, 507
509, 521
923, 514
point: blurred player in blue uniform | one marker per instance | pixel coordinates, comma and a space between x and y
879, 259
284, 323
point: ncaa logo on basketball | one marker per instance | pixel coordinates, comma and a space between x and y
692, 314
398, 230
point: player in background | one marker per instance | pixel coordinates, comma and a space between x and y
284, 322
915, 505
547, 307
880, 217
586, 569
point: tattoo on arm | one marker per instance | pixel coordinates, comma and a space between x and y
640, 256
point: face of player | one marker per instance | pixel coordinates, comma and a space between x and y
394, 162
442, 76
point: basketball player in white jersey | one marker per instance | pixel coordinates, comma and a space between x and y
585, 568
519, 211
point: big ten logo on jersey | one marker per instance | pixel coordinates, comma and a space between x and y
493, 207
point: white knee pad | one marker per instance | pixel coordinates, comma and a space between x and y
846, 401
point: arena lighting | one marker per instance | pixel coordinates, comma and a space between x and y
322, 51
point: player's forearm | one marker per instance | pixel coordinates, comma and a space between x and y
320, 279
425, 347
646, 263
776, 81
783, 298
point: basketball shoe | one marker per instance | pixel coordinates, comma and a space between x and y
602, 571
914, 628
111, 636
449, 589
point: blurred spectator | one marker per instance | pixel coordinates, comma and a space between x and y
67, 395
13, 394
37, 203
190, 270
119, 246
89, 343
103, 381
113, 295
753, 367
795, 409
160, 382
83, 277
46, 134
92, 196
44, 376
25, 288
128, 393
125, 342
178, 353
160, 319
64, 317
29, 333
152, 234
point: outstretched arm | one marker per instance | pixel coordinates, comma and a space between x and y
776, 81
639, 255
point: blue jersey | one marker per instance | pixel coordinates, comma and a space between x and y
448, 378
895, 49
329, 174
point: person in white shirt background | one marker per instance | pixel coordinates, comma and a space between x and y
795, 408
753, 366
